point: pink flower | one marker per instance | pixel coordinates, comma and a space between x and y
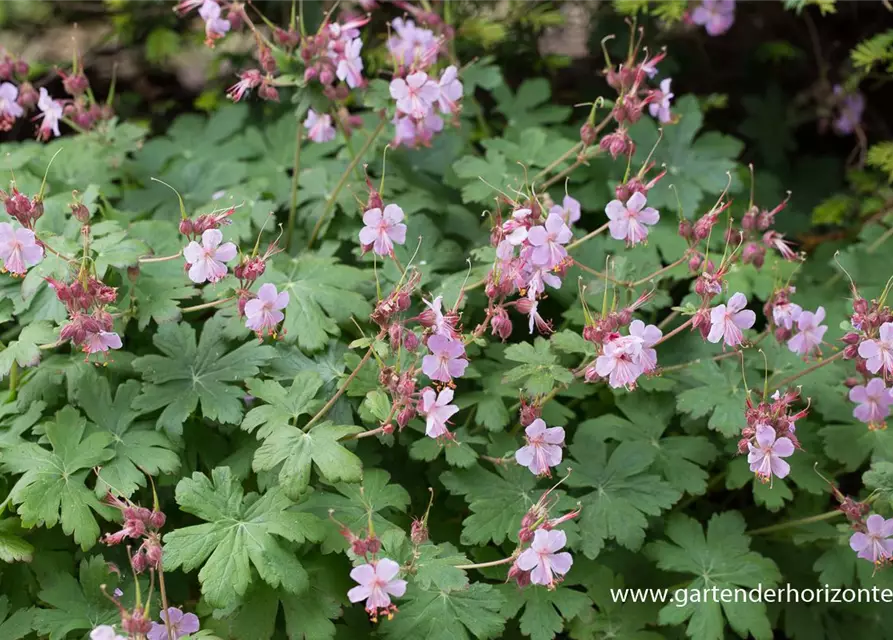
319, 126
206, 260
879, 353
415, 133
548, 241
445, 361
18, 249
105, 632
101, 341
537, 279
437, 410
450, 90
412, 43
627, 221
382, 230
51, 113
810, 332
661, 109
543, 448
434, 318
248, 80
874, 545
620, 361
415, 95
534, 319
182, 624
377, 584
716, 16
569, 210
649, 335
350, 64
785, 315
874, 400
9, 108
726, 322
215, 26
264, 312
542, 559
766, 458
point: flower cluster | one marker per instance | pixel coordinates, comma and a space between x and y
802, 330
757, 237
542, 562
769, 435
139, 523
630, 80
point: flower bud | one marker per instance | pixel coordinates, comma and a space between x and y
501, 324
686, 230
410, 341
851, 382
157, 519
524, 305
851, 338
418, 532
529, 413
268, 92
28, 96
851, 352
326, 76
404, 416
617, 144
139, 562
373, 545
587, 134
80, 212
694, 263
860, 305
754, 254
743, 445
395, 333
590, 375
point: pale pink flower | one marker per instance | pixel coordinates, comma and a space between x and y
727, 321
874, 545
18, 249
206, 260
264, 312
215, 26
101, 341
649, 335
548, 241
450, 90
661, 108
105, 632
50, 115
766, 458
182, 624
534, 319
378, 582
9, 108
537, 279
248, 80
411, 43
319, 126
350, 65
437, 410
785, 315
874, 400
810, 332
716, 16
878, 353
543, 448
627, 221
542, 558
415, 95
434, 318
620, 361
569, 210
382, 230
446, 360
415, 133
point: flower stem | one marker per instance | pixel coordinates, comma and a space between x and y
161, 259
365, 434
207, 305
341, 389
807, 370
13, 380
795, 523
293, 202
483, 565
601, 275
588, 236
564, 156
660, 271
330, 203
164, 604
672, 333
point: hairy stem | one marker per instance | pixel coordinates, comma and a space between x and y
330, 203
293, 202
149, 259
588, 236
795, 523
807, 370
660, 271
208, 305
164, 604
672, 333
483, 565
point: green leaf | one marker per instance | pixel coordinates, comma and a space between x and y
716, 391
722, 559
354, 504
880, 478
13, 548
16, 626
283, 406
52, 487
139, 449
623, 494
240, 532
188, 373
613, 618
157, 296
433, 566
545, 611
539, 370
453, 615
322, 293
77, 604
24, 350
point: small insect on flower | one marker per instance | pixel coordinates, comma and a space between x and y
766, 458
437, 410
878, 353
264, 313
727, 321
810, 334
182, 624
543, 449
543, 560
206, 260
319, 126
874, 544
446, 360
627, 221
18, 249
377, 583
382, 230
874, 400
